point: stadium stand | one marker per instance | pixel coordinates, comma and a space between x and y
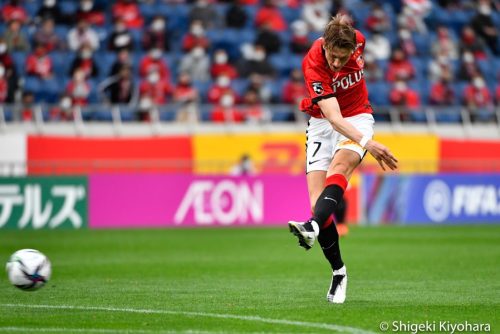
388, 18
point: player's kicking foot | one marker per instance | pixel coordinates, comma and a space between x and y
336, 293
306, 232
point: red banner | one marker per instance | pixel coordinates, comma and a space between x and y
469, 155
72, 155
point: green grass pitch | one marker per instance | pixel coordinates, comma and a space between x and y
252, 280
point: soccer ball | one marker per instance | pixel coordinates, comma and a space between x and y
28, 269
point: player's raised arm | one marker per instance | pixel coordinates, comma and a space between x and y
331, 110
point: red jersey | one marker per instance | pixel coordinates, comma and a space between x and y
348, 85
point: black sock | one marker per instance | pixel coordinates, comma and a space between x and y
326, 203
329, 240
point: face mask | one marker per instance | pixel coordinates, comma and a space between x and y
198, 52
478, 83
227, 101
404, 34
484, 9
86, 6
2, 71
197, 30
220, 58
3, 48
156, 53
223, 81
49, 3
400, 86
158, 25
259, 55
153, 77
66, 103
87, 54
79, 76
468, 58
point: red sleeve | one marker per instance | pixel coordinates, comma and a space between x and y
31, 65
318, 83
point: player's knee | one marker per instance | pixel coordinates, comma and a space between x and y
341, 167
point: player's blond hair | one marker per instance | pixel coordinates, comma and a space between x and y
339, 33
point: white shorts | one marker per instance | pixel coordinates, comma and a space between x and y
323, 141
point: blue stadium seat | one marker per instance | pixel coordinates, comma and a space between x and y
448, 114
290, 14
68, 7
379, 93
282, 113
20, 62
61, 61
168, 113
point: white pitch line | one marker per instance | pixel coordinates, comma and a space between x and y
333, 327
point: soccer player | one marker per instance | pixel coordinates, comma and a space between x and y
339, 134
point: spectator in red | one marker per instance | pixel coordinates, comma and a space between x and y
156, 35
153, 61
221, 87
205, 13
46, 36
445, 45
39, 63
254, 111
404, 97
63, 111
27, 104
89, 12
81, 34
378, 20
78, 88
221, 65
155, 89
16, 38
13, 10
294, 89
120, 37
4, 85
269, 14
299, 42
129, 11
184, 92
442, 93
470, 42
399, 67
85, 62
195, 37
476, 94
226, 111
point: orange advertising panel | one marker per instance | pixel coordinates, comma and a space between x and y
73, 155
417, 153
276, 153
469, 155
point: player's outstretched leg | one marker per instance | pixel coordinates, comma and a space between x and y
306, 232
338, 287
